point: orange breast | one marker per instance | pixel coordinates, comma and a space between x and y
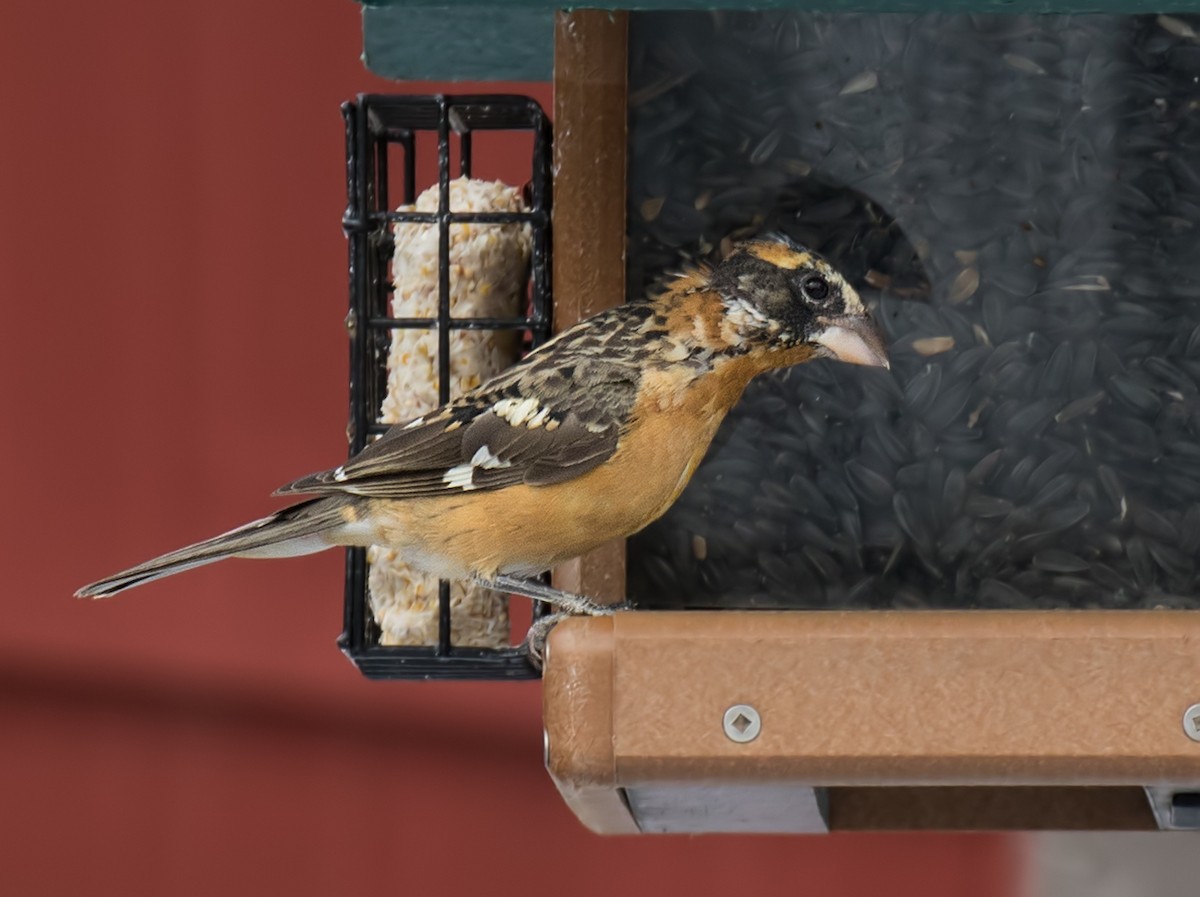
526, 529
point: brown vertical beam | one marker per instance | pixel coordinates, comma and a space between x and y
590, 68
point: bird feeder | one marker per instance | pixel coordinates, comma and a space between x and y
415, 269
960, 594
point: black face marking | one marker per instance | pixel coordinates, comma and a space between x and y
784, 303
746, 278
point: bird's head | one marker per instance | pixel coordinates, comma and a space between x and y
780, 296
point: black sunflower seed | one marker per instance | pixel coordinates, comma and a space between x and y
1113, 489
1109, 578
1143, 564
1055, 490
984, 468
954, 492
870, 486
1065, 515
994, 593
1135, 396
1177, 565
1079, 407
911, 521
1154, 524
981, 505
1054, 560
1084, 369
1058, 369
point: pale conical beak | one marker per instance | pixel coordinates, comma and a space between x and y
854, 339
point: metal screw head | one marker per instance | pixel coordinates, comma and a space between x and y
1191, 722
742, 723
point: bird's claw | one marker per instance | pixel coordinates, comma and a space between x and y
566, 604
539, 632
535, 639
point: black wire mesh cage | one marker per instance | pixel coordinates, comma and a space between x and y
390, 142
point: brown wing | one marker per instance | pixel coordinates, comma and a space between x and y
555, 416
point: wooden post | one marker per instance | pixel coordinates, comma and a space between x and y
590, 68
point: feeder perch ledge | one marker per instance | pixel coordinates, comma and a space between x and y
647, 716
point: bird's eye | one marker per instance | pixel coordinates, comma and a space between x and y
815, 287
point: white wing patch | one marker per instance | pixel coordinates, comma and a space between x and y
462, 476
459, 477
516, 411
522, 413
484, 458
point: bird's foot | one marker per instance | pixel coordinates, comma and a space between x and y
535, 638
539, 591
568, 604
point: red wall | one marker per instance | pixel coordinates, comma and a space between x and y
173, 276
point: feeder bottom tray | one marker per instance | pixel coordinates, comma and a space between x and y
728, 721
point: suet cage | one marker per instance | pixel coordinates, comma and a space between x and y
959, 595
385, 150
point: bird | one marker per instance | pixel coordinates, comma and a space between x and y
591, 437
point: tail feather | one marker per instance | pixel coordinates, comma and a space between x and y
293, 531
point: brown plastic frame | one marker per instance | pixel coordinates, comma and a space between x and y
1079, 709
590, 67
949, 720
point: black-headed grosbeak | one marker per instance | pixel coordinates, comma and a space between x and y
589, 438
